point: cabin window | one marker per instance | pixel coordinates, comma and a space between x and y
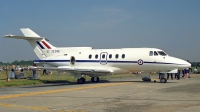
117, 55
155, 53
151, 53
110, 56
96, 56
123, 55
103, 56
90, 56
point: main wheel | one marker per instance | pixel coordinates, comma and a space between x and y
96, 79
81, 80
92, 79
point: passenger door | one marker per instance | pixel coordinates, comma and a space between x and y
103, 58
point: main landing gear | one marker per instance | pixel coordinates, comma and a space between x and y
94, 79
82, 80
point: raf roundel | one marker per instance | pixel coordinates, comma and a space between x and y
140, 62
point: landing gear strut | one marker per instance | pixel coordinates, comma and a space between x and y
94, 79
81, 80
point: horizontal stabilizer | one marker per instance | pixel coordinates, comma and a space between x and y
23, 37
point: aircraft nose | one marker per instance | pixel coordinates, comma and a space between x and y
186, 64
183, 64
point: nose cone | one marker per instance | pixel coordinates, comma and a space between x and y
181, 64
185, 64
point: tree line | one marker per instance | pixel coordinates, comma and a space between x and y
195, 64
22, 63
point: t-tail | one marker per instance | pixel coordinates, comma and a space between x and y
40, 45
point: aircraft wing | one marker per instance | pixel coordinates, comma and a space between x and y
87, 71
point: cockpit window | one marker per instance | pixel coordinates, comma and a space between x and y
151, 53
155, 53
162, 53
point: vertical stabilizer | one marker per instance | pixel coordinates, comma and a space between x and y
28, 32
39, 44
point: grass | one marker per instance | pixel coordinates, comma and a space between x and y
17, 82
42, 79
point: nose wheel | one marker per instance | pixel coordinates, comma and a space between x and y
163, 80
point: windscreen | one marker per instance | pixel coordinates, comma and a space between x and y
162, 53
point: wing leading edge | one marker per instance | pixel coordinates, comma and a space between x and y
80, 70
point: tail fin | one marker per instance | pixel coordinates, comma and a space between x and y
40, 45
28, 32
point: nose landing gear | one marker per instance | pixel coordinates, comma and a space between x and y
162, 78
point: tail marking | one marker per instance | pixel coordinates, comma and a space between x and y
40, 45
46, 44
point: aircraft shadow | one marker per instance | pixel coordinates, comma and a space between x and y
65, 83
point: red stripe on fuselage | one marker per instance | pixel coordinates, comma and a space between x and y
46, 44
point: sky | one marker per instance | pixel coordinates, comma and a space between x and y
170, 25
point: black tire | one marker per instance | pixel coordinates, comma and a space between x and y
92, 79
165, 80
97, 79
83, 80
79, 81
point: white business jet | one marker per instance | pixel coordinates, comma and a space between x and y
80, 61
